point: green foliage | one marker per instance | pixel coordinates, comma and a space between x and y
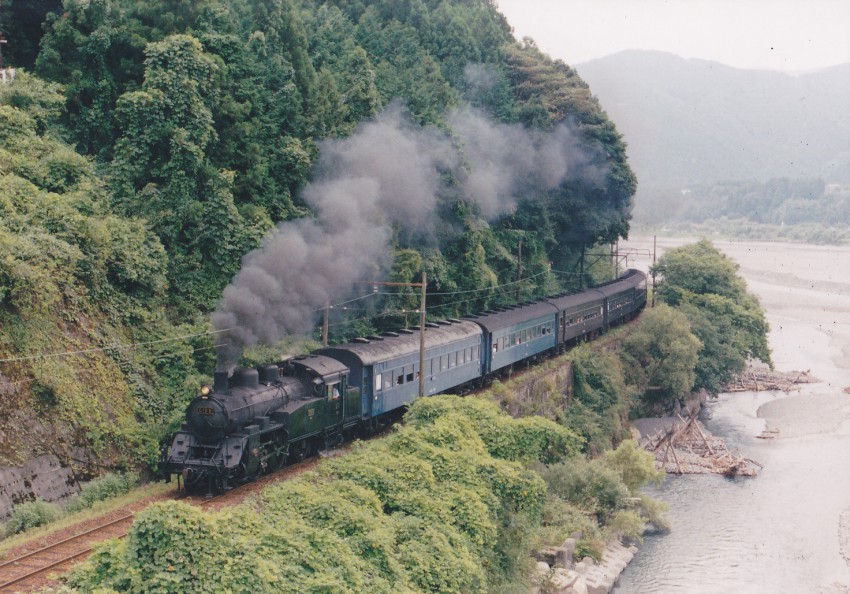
608, 487
206, 115
661, 353
589, 484
562, 518
635, 465
31, 514
779, 207
67, 260
427, 509
627, 523
600, 403
102, 488
704, 285
527, 439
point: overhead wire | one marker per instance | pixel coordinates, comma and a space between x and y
119, 347
336, 306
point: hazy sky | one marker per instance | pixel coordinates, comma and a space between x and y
787, 35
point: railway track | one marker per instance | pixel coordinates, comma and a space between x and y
36, 568
31, 569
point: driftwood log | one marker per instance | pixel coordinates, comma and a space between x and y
757, 379
687, 448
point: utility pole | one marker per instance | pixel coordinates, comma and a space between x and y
581, 269
423, 285
654, 244
519, 270
325, 324
422, 338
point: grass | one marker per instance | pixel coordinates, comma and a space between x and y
8, 545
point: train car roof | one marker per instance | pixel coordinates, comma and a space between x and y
628, 280
319, 364
563, 302
498, 320
391, 345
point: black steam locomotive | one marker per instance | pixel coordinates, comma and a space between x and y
256, 420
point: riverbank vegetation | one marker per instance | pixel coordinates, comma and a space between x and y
453, 501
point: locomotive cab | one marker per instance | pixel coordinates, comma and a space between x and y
255, 420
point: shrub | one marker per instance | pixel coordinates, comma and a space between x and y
589, 485
103, 488
31, 514
627, 523
635, 465
560, 519
532, 439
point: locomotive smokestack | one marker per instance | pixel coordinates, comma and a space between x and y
220, 381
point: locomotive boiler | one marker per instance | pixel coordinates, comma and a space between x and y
254, 420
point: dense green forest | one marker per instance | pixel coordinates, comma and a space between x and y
782, 208
147, 147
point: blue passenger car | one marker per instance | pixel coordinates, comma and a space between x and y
624, 297
386, 367
579, 315
516, 333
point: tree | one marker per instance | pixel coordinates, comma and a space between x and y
660, 355
703, 283
161, 171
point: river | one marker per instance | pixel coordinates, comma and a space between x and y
787, 530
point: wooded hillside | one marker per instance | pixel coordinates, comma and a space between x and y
146, 147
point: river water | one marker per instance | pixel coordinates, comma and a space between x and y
787, 530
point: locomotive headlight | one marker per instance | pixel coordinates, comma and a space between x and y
205, 390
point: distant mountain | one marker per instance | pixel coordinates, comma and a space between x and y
695, 121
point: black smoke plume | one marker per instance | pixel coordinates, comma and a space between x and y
390, 174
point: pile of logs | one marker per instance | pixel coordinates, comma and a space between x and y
687, 448
757, 379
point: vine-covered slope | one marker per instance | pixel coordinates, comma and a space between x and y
153, 144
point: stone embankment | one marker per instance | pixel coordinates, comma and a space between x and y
558, 573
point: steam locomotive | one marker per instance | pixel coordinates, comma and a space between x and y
256, 420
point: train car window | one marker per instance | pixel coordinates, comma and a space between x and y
378, 384
399, 380
444, 362
388, 380
495, 347
452, 360
410, 377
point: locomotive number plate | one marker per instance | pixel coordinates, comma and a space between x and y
206, 410
310, 413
